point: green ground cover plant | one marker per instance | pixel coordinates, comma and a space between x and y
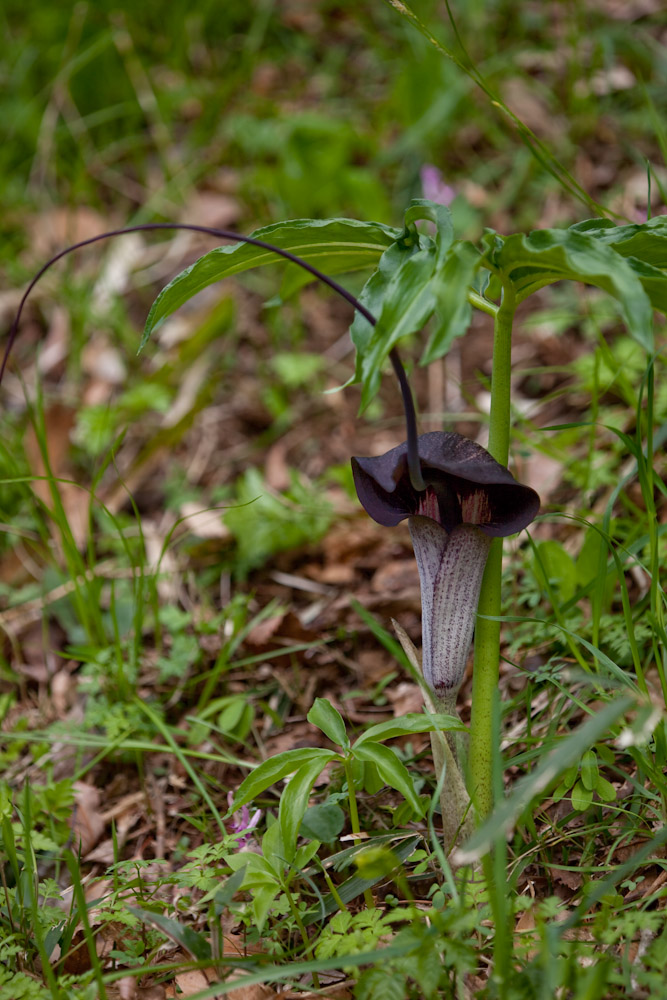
176, 664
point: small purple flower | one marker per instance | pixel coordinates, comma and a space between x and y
468, 500
242, 822
434, 187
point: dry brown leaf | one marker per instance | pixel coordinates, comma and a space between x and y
97, 890
63, 689
338, 574
58, 227
103, 362
235, 945
262, 633
571, 880
128, 988
524, 927
276, 468
58, 423
88, 822
210, 208
336, 991
264, 636
374, 664
530, 107
121, 258
258, 991
395, 575
405, 697
202, 522
152, 993
628, 10
77, 961
158, 554
126, 812
55, 344
189, 983
36, 645
541, 472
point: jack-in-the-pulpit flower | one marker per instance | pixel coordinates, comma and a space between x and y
469, 499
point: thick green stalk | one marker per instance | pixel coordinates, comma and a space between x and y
485, 683
487, 633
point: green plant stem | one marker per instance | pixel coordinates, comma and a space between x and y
487, 633
354, 821
302, 931
479, 302
485, 683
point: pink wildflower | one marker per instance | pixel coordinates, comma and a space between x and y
242, 822
434, 187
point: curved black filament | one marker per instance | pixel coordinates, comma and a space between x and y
228, 234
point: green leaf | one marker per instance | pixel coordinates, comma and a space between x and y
9, 844
567, 752
589, 770
258, 869
192, 942
354, 886
273, 847
381, 983
225, 894
549, 255
452, 311
440, 216
323, 822
391, 770
408, 302
581, 797
370, 779
570, 775
261, 904
592, 569
605, 790
404, 725
560, 791
588, 561
555, 569
305, 854
374, 292
647, 241
272, 770
376, 862
294, 802
333, 245
328, 719
654, 282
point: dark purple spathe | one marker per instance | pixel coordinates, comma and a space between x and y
464, 482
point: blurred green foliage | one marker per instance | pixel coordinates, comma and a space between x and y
328, 109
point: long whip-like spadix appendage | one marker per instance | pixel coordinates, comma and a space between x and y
414, 466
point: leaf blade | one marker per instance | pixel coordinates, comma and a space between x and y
272, 770
334, 244
409, 301
410, 724
294, 802
329, 721
544, 256
392, 771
